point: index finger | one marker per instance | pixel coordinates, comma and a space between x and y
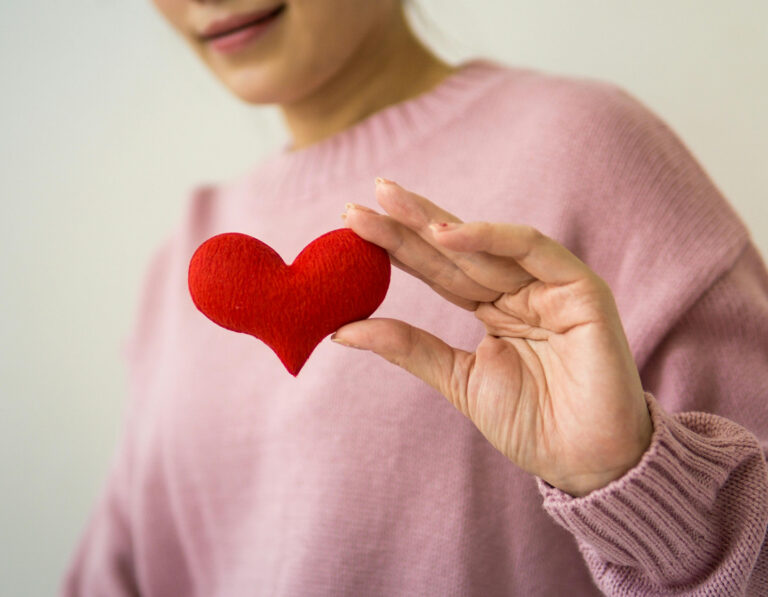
417, 213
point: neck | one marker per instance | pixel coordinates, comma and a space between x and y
387, 70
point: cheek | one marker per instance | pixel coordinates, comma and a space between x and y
326, 32
340, 22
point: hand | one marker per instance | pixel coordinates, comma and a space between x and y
553, 385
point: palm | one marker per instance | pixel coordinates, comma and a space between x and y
533, 390
552, 385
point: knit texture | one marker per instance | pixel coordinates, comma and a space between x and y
243, 285
355, 478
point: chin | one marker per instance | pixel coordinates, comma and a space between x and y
255, 90
263, 84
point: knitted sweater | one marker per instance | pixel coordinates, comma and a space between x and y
234, 478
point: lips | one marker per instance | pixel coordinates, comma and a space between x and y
237, 23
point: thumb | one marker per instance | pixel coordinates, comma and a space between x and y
426, 356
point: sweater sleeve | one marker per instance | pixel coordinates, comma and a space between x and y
690, 518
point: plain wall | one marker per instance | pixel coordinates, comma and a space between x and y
107, 121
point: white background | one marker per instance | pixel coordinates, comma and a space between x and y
107, 121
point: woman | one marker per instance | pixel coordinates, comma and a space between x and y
613, 402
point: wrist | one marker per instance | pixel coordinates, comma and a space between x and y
626, 458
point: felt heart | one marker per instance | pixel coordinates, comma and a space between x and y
243, 285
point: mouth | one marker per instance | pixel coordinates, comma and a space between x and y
238, 24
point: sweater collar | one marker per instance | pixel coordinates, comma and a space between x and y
369, 142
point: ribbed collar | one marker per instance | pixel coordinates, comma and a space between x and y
376, 138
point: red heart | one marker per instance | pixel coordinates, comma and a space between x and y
243, 285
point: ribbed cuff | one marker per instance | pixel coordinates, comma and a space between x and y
657, 517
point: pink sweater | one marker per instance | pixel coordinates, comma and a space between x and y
233, 478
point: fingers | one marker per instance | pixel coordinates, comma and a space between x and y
408, 208
416, 256
499, 322
417, 213
467, 304
539, 255
471, 262
426, 356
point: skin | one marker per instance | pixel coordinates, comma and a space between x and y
553, 385
327, 64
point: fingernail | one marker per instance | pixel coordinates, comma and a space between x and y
380, 180
444, 226
342, 342
349, 206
